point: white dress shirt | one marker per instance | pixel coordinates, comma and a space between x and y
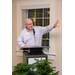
27, 37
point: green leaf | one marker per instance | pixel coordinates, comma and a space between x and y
25, 73
56, 73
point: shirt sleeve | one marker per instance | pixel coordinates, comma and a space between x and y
46, 29
20, 41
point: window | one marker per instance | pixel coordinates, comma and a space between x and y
40, 17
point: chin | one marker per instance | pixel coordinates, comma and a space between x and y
31, 28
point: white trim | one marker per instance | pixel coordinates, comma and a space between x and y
19, 50
52, 13
17, 22
52, 54
35, 7
50, 60
35, 3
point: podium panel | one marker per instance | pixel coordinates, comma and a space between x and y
29, 59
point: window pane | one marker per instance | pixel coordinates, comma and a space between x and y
45, 43
31, 13
45, 35
46, 12
33, 21
38, 22
39, 13
46, 22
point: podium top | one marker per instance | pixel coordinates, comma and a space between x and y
34, 47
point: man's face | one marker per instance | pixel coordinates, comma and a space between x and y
29, 24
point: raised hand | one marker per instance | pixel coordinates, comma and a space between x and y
55, 25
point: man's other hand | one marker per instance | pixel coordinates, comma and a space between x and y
25, 45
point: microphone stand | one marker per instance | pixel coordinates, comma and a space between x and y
34, 37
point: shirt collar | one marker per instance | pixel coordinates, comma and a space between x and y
27, 30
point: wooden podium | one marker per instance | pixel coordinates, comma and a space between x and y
29, 53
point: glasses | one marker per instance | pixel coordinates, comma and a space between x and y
29, 24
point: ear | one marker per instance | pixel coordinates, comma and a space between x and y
25, 25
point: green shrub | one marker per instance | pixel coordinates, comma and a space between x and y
40, 67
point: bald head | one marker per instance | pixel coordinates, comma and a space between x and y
29, 24
28, 21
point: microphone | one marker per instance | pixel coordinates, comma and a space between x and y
33, 31
34, 36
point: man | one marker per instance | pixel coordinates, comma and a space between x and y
32, 35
